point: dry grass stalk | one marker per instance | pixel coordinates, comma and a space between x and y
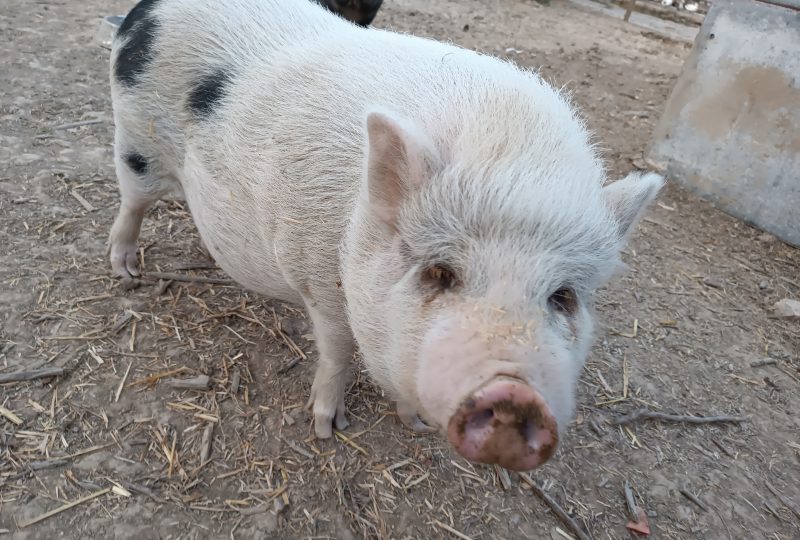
287, 339
122, 382
13, 418
451, 530
90, 450
83, 202
643, 414
349, 441
155, 377
64, 507
205, 443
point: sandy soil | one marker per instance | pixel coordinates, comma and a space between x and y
679, 333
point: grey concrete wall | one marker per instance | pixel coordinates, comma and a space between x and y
731, 127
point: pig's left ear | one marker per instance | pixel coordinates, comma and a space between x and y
400, 157
628, 198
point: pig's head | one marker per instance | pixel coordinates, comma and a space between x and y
469, 271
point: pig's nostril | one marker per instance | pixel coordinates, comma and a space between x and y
479, 420
529, 430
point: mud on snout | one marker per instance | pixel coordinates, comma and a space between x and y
506, 422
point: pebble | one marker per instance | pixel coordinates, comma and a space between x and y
788, 309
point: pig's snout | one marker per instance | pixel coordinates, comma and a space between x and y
505, 422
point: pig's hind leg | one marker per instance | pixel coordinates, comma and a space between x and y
140, 185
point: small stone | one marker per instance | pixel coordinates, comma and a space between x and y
201, 382
764, 285
766, 238
787, 309
129, 284
713, 282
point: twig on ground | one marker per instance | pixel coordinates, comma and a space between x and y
293, 362
724, 448
633, 510
46, 464
73, 125
686, 493
643, 414
195, 266
555, 507
141, 489
18, 376
785, 500
187, 278
764, 362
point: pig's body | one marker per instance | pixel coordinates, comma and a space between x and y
467, 166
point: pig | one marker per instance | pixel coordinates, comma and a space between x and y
442, 211
361, 12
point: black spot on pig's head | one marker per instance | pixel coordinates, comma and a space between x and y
136, 162
138, 31
207, 92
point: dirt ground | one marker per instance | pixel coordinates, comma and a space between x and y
678, 333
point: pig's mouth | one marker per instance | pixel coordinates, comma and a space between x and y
505, 422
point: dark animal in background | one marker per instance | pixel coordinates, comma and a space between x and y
361, 12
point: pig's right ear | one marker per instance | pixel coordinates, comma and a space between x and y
400, 158
628, 198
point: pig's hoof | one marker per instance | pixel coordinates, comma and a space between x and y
416, 424
409, 417
123, 260
328, 412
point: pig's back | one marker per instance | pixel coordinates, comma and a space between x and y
277, 132
298, 120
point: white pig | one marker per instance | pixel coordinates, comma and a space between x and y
442, 209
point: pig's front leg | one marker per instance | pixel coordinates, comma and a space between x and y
336, 345
409, 417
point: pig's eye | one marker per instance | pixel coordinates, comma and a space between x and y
439, 276
564, 301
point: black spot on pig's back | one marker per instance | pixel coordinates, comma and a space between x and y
136, 162
207, 92
138, 31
